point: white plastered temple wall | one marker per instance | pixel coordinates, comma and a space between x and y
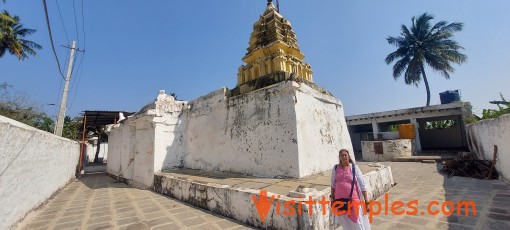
289, 129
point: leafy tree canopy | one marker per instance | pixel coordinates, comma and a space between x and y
13, 37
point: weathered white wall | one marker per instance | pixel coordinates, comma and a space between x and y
90, 151
143, 172
285, 130
253, 133
378, 182
34, 164
139, 146
321, 130
391, 150
122, 151
113, 166
483, 135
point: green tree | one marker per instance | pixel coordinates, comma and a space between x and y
12, 37
72, 128
425, 44
492, 113
17, 106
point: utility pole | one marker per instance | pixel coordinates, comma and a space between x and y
60, 121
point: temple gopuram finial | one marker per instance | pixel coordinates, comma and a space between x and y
273, 54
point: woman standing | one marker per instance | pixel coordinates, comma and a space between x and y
341, 183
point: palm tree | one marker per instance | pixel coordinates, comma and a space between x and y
12, 35
421, 44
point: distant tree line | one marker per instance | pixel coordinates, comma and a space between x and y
18, 106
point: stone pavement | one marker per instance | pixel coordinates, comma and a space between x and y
96, 201
423, 182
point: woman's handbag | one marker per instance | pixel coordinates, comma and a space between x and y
345, 201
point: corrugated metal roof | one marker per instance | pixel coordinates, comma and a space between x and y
98, 117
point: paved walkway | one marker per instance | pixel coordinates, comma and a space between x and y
423, 182
98, 202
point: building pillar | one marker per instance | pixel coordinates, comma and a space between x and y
252, 72
268, 66
375, 129
417, 139
262, 68
247, 76
279, 63
288, 66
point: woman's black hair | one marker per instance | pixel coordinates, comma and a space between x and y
347, 151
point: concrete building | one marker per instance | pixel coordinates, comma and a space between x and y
430, 135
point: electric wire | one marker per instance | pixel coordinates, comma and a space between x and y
75, 79
79, 73
62, 21
79, 70
59, 94
51, 38
83, 24
76, 24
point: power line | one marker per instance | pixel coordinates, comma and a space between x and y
79, 73
76, 24
59, 89
58, 99
62, 21
83, 23
79, 69
51, 38
74, 72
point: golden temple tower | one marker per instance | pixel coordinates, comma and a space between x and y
273, 54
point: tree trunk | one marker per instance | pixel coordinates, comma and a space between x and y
96, 157
426, 84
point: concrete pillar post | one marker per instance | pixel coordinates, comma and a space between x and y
416, 128
375, 129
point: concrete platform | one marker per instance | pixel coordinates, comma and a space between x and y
235, 195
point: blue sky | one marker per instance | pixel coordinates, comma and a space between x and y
193, 47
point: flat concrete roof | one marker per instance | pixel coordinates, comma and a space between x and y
426, 111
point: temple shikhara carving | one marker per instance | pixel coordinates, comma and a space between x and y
273, 54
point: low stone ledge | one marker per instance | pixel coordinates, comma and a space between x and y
238, 203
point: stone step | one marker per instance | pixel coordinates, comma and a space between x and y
425, 159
